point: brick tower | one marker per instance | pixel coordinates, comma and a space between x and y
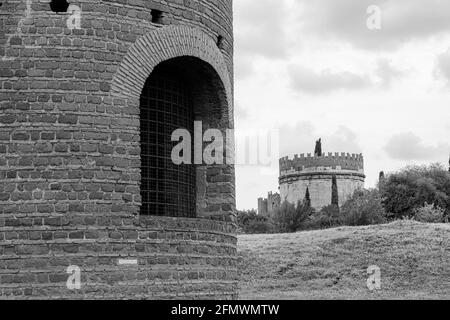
90, 94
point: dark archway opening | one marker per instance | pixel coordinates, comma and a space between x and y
157, 16
178, 92
166, 105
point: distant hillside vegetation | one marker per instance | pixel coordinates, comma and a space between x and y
332, 264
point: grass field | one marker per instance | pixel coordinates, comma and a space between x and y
414, 259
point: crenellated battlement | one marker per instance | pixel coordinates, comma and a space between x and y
342, 161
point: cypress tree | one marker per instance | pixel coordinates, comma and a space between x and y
381, 182
308, 198
318, 149
334, 192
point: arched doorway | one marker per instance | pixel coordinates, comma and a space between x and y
178, 92
166, 105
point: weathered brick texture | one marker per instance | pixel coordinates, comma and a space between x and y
177, 258
70, 152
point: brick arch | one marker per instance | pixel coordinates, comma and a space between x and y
161, 45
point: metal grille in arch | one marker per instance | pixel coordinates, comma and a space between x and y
166, 105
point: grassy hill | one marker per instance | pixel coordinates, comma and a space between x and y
414, 259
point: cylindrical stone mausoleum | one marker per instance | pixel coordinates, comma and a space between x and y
314, 175
87, 185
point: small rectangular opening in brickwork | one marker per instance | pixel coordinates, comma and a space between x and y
157, 16
59, 6
220, 42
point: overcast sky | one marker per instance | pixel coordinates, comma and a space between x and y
314, 69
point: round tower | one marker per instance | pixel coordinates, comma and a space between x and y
315, 174
91, 205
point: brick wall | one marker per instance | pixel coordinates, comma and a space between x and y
70, 152
177, 258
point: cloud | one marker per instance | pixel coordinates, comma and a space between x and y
401, 21
259, 28
240, 112
408, 146
343, 140
442, 66
387, 73
243, 67
299, 138
326, 81
302, 137
309, 81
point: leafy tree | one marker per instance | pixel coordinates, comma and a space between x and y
327, 217
285, 218
363, 208
250, 222
260, 226
412, 187
291, 218
304, 213
244, 217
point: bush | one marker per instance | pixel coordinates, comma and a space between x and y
328, 217
291, 218
412, 187
429, 213
250, 222
260, 226
285, 218
304, 213
363, 208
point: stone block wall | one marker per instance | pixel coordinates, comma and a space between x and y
294, 189
267, 206
262, 206
315, 173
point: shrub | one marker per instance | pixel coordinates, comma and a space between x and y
412, 187
429, 213
250, 222
304, 213
285, 218
291, 218
260, 226
328, 217
363, 208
